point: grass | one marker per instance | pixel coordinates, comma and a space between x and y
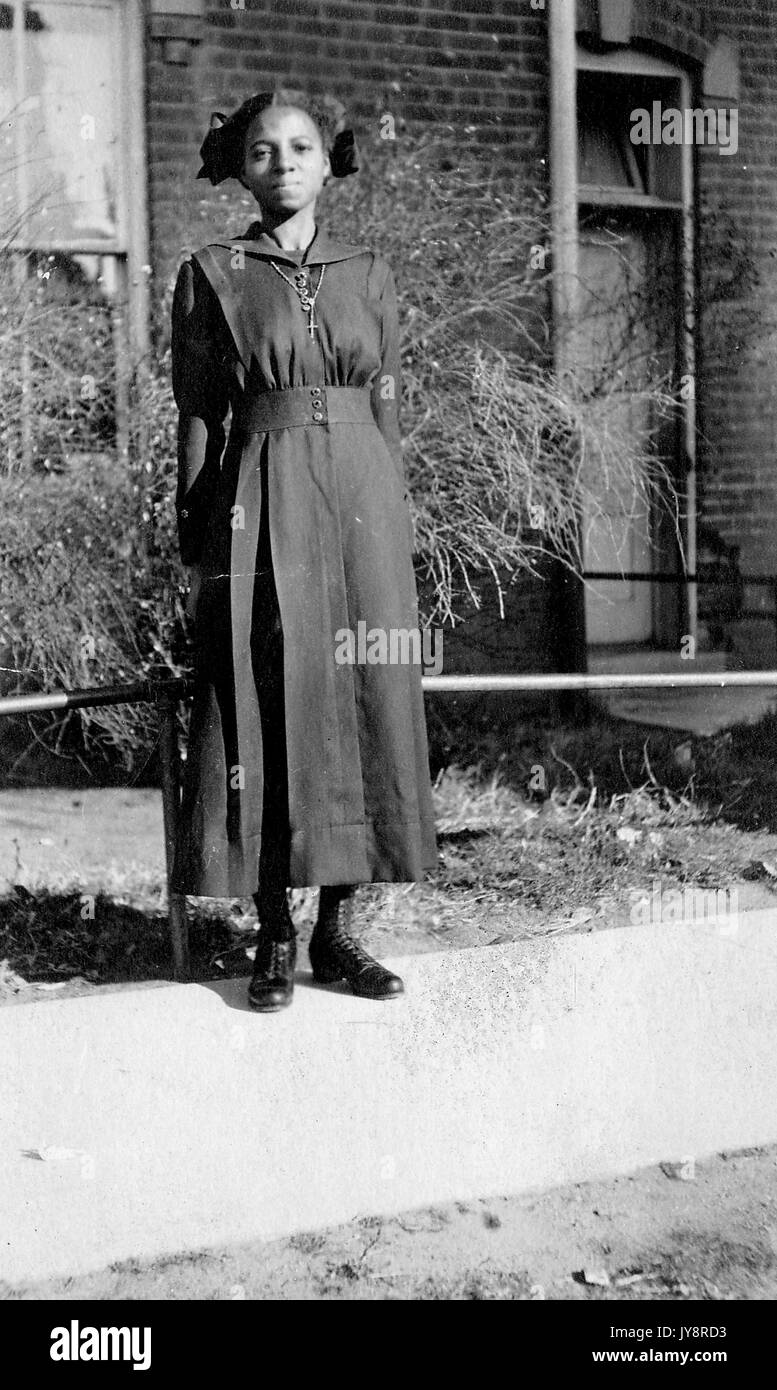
550, 827
731, 775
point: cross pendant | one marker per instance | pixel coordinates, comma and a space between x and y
312, 325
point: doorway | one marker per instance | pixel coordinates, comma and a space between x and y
628, 342
635, 335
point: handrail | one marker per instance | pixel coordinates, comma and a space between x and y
149, 691
679, 577
138, 693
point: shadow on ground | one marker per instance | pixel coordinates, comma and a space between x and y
52, 938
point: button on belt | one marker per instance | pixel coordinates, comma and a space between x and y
303, 405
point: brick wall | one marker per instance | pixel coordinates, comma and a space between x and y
738, 236
468, 63
482, 64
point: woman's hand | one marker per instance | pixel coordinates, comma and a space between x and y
194, 578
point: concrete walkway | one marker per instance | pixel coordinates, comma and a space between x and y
140, 1123
51, 835
702, 712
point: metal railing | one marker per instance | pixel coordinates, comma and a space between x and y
167, 694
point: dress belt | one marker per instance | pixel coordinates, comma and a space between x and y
302, 405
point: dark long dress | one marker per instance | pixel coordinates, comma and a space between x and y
299, 519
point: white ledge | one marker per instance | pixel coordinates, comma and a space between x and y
172, 1118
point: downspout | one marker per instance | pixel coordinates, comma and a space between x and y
20, 268
565, 280
563, 177
138, 252
689, 414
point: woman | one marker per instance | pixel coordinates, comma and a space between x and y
302, 769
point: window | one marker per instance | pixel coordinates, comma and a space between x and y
613, 169
72, 225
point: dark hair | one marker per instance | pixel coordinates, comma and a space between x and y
325, 111
223, 149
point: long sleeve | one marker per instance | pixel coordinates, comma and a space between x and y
387, 389
201, 389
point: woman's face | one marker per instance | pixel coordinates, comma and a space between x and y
285, 162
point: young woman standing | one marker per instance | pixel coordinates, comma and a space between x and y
302, 769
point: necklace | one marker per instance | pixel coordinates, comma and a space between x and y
301, 288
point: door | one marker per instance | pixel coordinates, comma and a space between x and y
627, 338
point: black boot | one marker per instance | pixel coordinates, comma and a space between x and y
272, 983
334, 955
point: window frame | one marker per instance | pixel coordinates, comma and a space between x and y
631, 63
129, 248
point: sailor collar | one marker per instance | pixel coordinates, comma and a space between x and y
323, 248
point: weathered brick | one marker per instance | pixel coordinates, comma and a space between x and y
452, 70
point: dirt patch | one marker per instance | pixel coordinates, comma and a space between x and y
549, 828
710, 1235
85, 905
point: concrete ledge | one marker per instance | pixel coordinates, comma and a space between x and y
174, 1118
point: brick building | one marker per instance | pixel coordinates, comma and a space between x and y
486, 63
